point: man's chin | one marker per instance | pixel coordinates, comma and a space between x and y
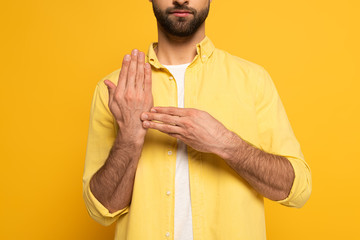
175, 19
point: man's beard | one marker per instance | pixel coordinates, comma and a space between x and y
180, 26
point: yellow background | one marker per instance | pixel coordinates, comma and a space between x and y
54, 52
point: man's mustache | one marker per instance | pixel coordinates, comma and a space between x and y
181, 8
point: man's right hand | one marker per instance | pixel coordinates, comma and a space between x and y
113, 183
131, 96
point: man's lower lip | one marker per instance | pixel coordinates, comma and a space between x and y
178, 14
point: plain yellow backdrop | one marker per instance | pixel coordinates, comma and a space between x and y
54, 52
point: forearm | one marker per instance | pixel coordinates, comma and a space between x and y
270, 175
113, 183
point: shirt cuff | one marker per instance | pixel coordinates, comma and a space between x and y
301, 188
98, 211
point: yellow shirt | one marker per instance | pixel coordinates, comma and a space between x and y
242, 96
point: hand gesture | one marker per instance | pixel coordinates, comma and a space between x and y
194, 127
131, 96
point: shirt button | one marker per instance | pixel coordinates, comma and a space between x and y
169, 152
167, 234
168, 193
171, 78
204, 56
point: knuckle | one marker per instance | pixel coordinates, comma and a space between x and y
141, 97
159, 117
139, 75
117, 97
128, 95
186, 122
190, 112
167, 128
125, 64
190, 130
138, 98
170, 120
172, 111
140, 72
141, 58
132, 71
206, 114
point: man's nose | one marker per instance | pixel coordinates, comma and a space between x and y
180, 2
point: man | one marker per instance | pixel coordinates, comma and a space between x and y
185, 142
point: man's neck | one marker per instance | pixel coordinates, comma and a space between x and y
172, 50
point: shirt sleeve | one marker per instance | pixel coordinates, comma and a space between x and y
277, 137
101, 137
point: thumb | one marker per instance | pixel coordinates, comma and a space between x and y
111, 88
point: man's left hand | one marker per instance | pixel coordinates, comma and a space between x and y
196, 128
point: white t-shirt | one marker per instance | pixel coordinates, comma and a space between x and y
183, 218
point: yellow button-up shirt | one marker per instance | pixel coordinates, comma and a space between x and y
242, 96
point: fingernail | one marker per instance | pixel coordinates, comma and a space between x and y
135, 52
144, 116
147, 65
153, 110
146, 124
127, 57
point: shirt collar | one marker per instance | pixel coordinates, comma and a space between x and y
204, 49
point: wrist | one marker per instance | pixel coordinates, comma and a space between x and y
232, 146
134, 139
125, 150
133, 135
